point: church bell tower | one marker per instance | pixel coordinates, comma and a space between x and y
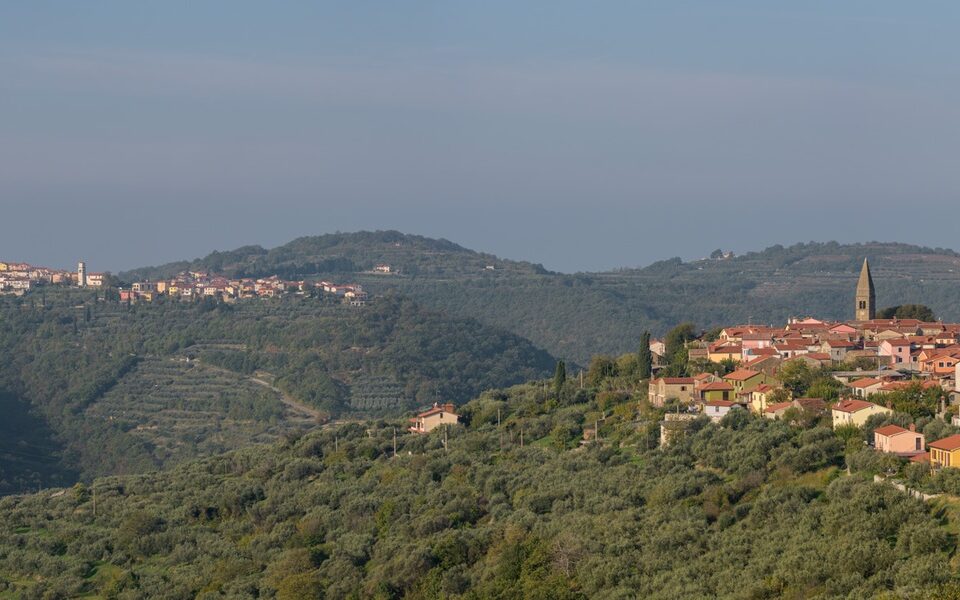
866, 296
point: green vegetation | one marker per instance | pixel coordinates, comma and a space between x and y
750, 508
907, 311
579, 315
99, 388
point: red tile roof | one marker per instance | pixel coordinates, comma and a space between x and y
852, 406
714, 386
741, 375
890, 430
772, 408
947, 443
726, 403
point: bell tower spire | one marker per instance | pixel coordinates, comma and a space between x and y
866, 295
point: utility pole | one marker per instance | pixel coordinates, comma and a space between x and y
336, 442
596, 430
445, 428
581, 379
521, 437
94, 502
394, 442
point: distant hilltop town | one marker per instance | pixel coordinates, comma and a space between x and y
19, 278
198, 284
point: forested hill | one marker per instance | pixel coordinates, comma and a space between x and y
93, 388
576, 316
343, 253
748, 508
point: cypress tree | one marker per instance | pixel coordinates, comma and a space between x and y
644, 356
559, 377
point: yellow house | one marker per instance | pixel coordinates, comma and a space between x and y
746, 380
760, 397
4, 266
945, 452
855, 412
721, 352
716, 390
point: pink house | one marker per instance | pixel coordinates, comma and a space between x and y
897, 440
898, 349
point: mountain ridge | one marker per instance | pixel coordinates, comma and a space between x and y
575, 316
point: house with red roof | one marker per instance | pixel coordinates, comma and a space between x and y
718, 409
863, 387
437, 415
745, 380
894, 439
716, 390
945, 452
855, 412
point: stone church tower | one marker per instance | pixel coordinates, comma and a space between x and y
866, 296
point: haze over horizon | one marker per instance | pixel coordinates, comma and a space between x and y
549, 131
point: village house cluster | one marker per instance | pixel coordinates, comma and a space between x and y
17, 278
189, 285
891, 354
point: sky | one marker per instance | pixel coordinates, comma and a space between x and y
580, 135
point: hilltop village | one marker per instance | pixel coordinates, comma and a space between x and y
872, 364
19, 278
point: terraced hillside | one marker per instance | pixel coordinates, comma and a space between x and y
101, 388
181, 409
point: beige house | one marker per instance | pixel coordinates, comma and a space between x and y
439, 414
665, 388
855, 412
865, 386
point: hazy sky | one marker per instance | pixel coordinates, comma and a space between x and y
583, 135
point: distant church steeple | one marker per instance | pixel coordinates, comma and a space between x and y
866, 296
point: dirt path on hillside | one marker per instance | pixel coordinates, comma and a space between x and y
289, 401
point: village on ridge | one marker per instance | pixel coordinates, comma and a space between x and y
891, 355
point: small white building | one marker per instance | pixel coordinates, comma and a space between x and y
718, 409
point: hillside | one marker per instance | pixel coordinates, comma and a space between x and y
342, 253
750, 508
576, 316
99, 388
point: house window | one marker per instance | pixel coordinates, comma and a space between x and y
917, 440
863, 304
683, 388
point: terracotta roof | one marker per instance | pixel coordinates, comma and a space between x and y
726, 403
676, 380
947, 443
741, 375
713, 386
818, 355
852, 406
840, 344
772, 408
864, 382
889, 430
921, 457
